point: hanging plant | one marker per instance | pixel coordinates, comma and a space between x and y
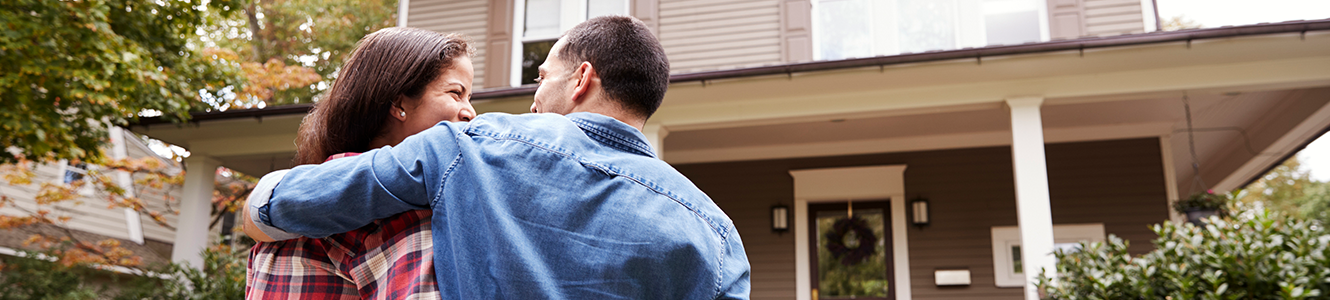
1203, 201
1201, 206
851, 240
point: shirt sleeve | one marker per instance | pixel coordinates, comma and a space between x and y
735, 270
348, 193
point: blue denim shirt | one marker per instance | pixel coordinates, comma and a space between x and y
528, 206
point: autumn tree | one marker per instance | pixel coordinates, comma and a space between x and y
291, 49
1290, 189
1179, 22
68, 69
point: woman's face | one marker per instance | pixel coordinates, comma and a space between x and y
448, 98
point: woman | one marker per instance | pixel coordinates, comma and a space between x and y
397, 82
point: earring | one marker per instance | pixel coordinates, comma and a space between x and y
403, 113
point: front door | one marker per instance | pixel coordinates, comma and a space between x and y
851, 257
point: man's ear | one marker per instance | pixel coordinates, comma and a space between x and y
584, 75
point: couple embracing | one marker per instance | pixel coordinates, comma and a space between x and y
405, 192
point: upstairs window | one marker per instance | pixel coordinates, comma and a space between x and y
846, 29
75, 172
541, 22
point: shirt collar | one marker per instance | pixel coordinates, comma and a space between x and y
612, 132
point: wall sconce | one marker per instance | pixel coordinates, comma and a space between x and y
780, 218
919, 212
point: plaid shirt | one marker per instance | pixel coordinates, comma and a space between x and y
387, 259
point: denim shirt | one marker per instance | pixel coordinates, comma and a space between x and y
527, 206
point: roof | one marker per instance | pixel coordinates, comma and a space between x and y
978, 54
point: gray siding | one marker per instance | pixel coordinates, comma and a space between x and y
1118, 183
455, 16
92, 215
704, 34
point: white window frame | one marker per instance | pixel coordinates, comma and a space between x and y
571, 13
977, 41
66, 167
1004, 237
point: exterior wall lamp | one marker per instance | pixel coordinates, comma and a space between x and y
780, 218
919, 215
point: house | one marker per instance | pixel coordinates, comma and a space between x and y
91, 217
969, 138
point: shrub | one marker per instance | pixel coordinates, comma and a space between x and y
35, 276
1257, 255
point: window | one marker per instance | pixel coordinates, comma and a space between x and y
1009, 271
541, 22
865, 28
75, 172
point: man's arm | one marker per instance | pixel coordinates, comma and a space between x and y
344, 194
735, 281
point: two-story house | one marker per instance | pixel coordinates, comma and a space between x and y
970, 137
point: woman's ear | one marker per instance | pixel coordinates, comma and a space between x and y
397, 112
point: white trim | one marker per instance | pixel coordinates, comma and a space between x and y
1044, 32
403, 7
1305, 131
1170, 177
1151, 21
119, 150
916, 143
1004, 237
519, 21
839, 184
1033, 211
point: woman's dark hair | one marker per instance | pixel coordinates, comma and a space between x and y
385, 64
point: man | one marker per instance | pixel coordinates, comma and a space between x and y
569, 203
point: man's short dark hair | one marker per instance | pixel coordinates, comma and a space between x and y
630, 61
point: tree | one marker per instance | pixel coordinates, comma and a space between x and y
1180, 22
68, 69
1289, 188
291, 50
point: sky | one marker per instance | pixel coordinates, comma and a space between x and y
1216, 13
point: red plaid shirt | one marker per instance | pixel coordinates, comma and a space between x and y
388, 259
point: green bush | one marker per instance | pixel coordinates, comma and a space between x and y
29, 276
1257, 255
26, 277
222, 277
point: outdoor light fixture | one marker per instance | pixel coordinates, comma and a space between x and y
919, 212
780, 218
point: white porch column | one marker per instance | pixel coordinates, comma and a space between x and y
1032, 208
656, 136
191, 234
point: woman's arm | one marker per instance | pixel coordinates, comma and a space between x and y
345, 194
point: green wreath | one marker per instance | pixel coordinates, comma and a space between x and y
851, 254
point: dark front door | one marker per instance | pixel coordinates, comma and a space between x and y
851, 250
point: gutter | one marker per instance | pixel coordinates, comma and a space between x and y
977, 54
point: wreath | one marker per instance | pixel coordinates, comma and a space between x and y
855, 251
